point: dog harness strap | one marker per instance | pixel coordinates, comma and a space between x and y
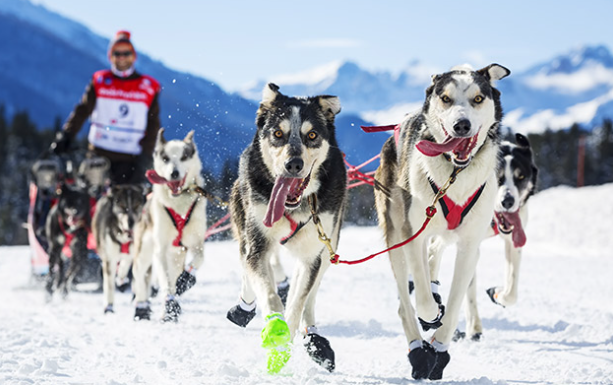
454, 213
295, 227
495, 226
395, 127
180, 222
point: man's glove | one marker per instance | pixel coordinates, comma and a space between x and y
60, 144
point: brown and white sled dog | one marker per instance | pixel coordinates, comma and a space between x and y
173, 224
456, 129
294, 158
517, 176
113, 227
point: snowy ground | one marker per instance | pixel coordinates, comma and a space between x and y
560, 332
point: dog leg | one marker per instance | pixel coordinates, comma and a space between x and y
426, 306
187, 278
242, 313
108, 282
280, 277
465, 264
474, 328
79, 255
507, 296
53, 276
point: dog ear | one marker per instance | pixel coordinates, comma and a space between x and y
494, 72
160, 138
189, 138
331, 105
269, 94
522, 141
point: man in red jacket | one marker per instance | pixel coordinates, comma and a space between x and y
123, 108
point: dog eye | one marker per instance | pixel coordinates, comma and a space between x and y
183, 158
312, 135
165, 159
446, 99
520, 176
278, 134
478, 99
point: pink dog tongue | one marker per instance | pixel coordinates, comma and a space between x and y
519, 236
154, 177
278, 196
429, 148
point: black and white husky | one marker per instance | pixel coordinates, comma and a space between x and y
66, 229
456, 130
517, 176
292, 164
173, 223
113, 228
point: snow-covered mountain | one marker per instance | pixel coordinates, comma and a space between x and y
48, 60
575, 87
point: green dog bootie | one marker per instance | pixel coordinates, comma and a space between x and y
276, 338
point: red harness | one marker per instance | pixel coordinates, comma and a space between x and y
180, 222
294, 228
453, 212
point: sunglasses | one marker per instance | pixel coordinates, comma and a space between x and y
122, 53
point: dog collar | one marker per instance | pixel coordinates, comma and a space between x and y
295, 227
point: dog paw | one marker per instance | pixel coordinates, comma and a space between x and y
172, 311
436, 323
491, 292
320, 351
240, 316
283, 290
122, 284
458, 335
142, 312
277, 358
185, 282
422, 360
109, 309
476, 337
275, 332
442, 359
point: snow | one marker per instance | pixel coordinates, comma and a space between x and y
584, 79
560, 331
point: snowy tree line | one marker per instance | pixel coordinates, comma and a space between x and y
22, 142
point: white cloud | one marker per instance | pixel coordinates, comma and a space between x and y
476, 58
576, 82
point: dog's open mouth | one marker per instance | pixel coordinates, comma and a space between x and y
510, 222
286, 194
461, 148
176, 186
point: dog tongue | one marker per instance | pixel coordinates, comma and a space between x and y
429, 148
154, 177
276, 204
519, 236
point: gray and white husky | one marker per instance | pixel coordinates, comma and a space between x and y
293, 162
517, 177
113, 228
457, 129
173, 224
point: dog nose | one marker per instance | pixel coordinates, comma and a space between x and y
294, 165
508, 201
174, 174
462, 127
130, 222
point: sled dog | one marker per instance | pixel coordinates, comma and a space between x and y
453, 139
292, 166
113, 226
66, 229
517, 176
173, 223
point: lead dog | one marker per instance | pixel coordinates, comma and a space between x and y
113, 227
294, 158
174, 222
517, 176
456, 130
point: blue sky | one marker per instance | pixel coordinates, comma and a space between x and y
235, 42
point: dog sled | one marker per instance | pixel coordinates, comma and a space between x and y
48, 174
